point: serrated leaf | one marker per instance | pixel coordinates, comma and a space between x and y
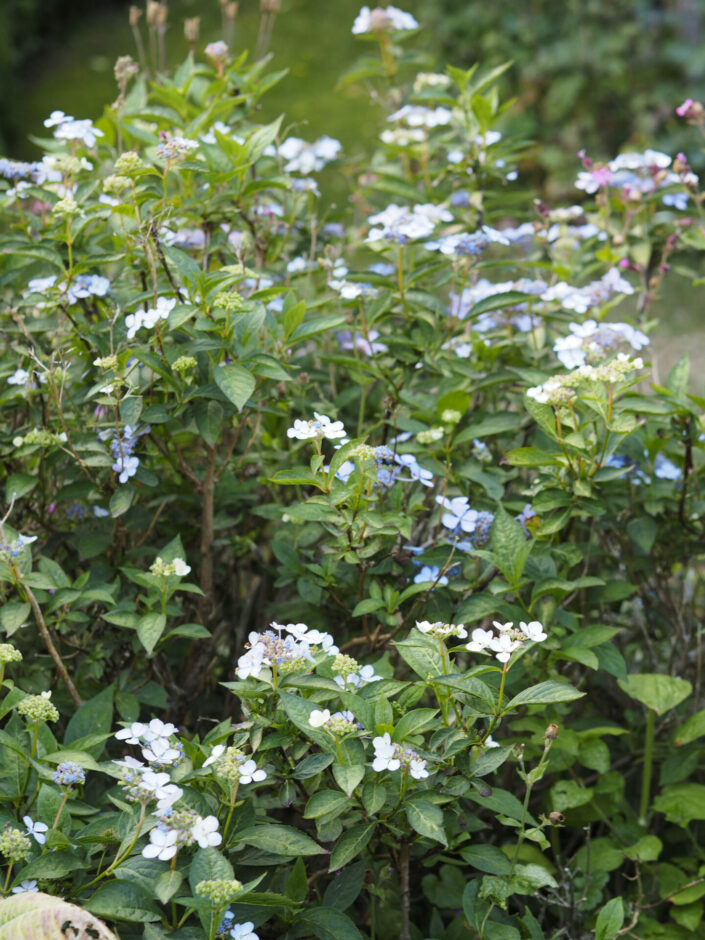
545, 693
150, 629
279, 840
350, 845
656, 690
236, 383
427, 819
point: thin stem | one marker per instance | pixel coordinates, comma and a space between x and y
60, 810
648, 763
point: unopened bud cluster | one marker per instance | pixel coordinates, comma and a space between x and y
66, 208
9, 654
116, 184
36, 708
106, 362
219, 891
14, 845
229, 300
129, 164
345, 665
183, 365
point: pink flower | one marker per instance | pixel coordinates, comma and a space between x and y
684, 109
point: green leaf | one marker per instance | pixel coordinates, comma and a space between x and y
427, 819
236, 383
677, 381
208, 865
150, 629
421, 653
18, 485
681, 802
655, 690
93, 717
609, 920
348, 776
690, 730
120, 900
13, 616
487, 858
328, 923
324, 802
167, 884
53, 865
279, 840
545, 693
350, 844
647, 849
530, 457
121, 500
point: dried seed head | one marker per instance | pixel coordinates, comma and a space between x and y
191, 28
135, 14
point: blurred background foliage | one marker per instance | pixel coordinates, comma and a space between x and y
593, 74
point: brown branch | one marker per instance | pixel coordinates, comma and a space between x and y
49, 643
154, 233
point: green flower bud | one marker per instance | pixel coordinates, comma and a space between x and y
183, 365
66, 208
129, 164
8, 653
229, 300
219, 891
14, 845
116, 184
37, 708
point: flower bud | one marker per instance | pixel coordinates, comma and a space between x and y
135, 14
191, 28
555, 818
551, 732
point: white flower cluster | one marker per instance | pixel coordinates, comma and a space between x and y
507, 639
349, 290
149, 318
177, 828
389, 756
559, 389
284, 653
382, 19
177, 567
590, 339
461, 304
81, 287
581, 299
319, 427
405, 224
68, 128
441, 630
418, 116
155, 741
470, 244
142, 784
634, 173
302, 157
